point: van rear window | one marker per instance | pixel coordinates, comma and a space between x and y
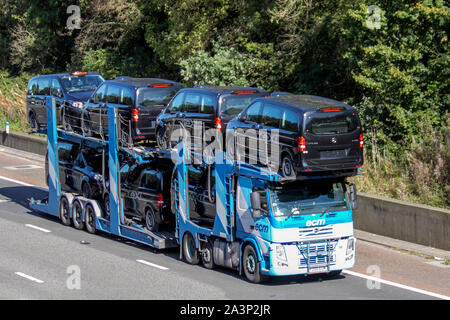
156, 96
234, 104
331, 122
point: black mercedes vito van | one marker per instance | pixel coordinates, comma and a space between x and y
71, 89
316, 134
139, 101
211, 106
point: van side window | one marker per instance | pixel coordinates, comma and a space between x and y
289, 120
112, 94
207, 104
177, 103
271, 115
44, 86
191, 103
55, 87
124, 173
32, 87
252, 113
149, 180
99, 95
127, 97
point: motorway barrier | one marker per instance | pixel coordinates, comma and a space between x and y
23, 141
396, 219
421, 224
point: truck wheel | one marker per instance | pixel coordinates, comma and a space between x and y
207, 256
77, 215
252, 268
150, 220
64, 211
189, 250
90, 218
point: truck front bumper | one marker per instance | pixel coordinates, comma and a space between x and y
310, 257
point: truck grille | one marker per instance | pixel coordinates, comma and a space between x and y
317, 254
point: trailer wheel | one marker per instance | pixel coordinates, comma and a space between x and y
90, 218
189, 250
77, 215
106, 205
207, 256
64, 211
252, 268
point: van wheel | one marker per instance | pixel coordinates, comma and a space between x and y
33, 123
252, 268
106, 205
287, 167
77, 215
150, 220
64, 211
189, 250
161, 139
86, 190
86, 127
90, 218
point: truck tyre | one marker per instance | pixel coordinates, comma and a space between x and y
64, 211
150, 220
190, 252
252, 268
77, 215
208, 256
90, 218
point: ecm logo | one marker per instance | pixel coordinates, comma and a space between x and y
313, 223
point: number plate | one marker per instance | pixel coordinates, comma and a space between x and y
332, 154
318, 269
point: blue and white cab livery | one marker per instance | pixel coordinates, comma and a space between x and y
301, 227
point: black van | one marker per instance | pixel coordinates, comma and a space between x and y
316, 134
139, 101
212, 106
71, 89
145, 190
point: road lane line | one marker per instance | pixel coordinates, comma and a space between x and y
394, 284
37, 228
23, 275
22, 183
152, 264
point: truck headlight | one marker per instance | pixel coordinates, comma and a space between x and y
281, 253
350, 246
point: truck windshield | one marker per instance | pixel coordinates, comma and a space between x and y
307, 197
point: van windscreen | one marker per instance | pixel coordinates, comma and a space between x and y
331, 122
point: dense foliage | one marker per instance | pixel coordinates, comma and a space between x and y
388, 58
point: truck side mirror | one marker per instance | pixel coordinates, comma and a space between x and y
353, 196
257, 210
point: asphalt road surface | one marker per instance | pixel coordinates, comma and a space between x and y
43, 259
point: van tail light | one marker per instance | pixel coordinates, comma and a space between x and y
134, 115
301, 144
218, 123
361, 141
160, 200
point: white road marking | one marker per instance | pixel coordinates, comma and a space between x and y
394, 284
4, 200
23, 275
23, 167
22, 183
152, 264
37, 228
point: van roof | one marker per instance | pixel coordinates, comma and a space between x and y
225, 89
308, 101
142, 82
